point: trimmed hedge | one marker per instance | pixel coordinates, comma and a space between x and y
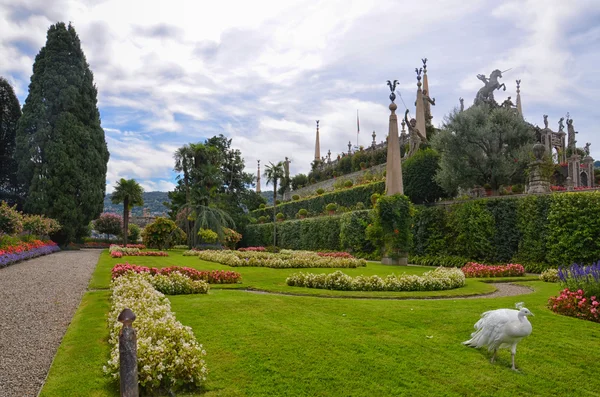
316, 205
538, 232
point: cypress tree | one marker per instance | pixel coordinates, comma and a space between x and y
61, 150
10, 111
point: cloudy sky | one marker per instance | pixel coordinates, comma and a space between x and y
261, 72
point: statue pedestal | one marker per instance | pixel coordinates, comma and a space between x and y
537, 183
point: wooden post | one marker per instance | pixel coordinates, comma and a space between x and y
128, 355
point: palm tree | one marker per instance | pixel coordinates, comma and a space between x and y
274, 173
184, 162
130, 193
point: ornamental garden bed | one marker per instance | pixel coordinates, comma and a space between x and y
26, 250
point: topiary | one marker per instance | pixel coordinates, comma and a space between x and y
262, 219
277, 202
280, 216
374, 198
331, 207
320, 191
348, 183
295, 197
303, 212
262, 206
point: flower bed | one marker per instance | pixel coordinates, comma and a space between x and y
26, 250
550, 276
284, 259
335, 255
473, 269
118, 251
575, 304
169, 356
210, 276
252, 249
435, 280
577, 277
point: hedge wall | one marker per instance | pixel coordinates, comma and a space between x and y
316, 205
536, 231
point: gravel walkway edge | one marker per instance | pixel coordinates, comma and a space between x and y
39, 299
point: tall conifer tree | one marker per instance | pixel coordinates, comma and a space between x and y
61, 150
10, 111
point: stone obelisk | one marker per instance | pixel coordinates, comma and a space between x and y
317, 145
258, 178
519, 108
420, 106
393, 169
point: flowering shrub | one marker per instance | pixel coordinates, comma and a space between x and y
123, 250
231, 238
109, 223
335, 255
210, 276
550, 276
577, 277
255, 249
21, 251
11, 220
435, 280
473, 269
169, 356
208, 236
284, 259
575, 304
39, 225
175, 283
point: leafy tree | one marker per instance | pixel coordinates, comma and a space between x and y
299, 181
483, 145
60, 146
134, 233
163, 233
10, 112
274, 173
131, 194
418, 173
108, 223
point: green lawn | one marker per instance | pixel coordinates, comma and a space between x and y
277, 345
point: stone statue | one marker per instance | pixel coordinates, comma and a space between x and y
426, 98
538, 135
571, 135
587, 149
561, 126
462, 104
546, 121
392, 89
486, 93
508, 104
415, 136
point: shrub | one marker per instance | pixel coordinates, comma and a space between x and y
11, 220
576, 304
374, 197
262, 219
473, 269
284, 259
435, 280
277, 202
109, 223
473, 230
393, 215
303, 212
163, 233
353, 236
230, 238
262, 206
39, 225
518, 189
359, 206
550, 276
430, 232
418, 173
348, 184
320, 191
169, 356
208, 236
134, 232
280, 216
331, 207
295, 197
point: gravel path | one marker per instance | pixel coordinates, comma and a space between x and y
38, 298
502, 289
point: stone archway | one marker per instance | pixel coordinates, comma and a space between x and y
583, 177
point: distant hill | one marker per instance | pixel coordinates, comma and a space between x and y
153, 201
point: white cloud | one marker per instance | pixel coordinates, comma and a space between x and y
261, 72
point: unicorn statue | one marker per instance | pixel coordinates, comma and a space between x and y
486, 93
